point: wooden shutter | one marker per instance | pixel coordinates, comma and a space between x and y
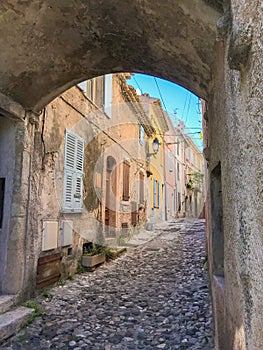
141, 192
126, 181
108, 94
73, 173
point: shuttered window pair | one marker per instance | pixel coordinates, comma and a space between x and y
73, 173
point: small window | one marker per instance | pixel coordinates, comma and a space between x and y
126, 181
108, 95
73, 173
141, 136
178, 148
156, 193
91, 89
178, 171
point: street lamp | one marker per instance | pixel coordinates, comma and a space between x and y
155, 147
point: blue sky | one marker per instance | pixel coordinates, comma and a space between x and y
175, 99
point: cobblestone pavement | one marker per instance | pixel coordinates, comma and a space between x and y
154, 297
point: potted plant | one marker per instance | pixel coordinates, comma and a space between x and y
93, 255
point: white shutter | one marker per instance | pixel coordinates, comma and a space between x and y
73, 173
108, 94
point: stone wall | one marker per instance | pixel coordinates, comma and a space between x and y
235, 127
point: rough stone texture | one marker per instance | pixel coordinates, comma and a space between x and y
12, 321
61, 44
154, 297
235, 140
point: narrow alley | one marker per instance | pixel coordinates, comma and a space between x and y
156, 296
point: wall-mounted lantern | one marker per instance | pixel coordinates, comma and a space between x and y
155, 147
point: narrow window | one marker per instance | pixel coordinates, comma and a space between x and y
91, 89
2, 194
154, 192
159, 194
73, 173
126, 181
178, 172
141, 195
141, 136
108, 95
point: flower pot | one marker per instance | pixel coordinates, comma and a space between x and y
91, 261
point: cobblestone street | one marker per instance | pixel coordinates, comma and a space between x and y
156, 296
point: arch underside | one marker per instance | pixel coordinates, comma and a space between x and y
49, 46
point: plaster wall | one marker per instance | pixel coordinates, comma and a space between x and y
7, 169
235, 128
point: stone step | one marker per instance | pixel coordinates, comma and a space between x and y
7, 302
12, 321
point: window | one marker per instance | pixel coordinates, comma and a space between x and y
159, 194
141, 135
178, 148
178, 171
2, 193
156, 193
170, 161
73, 173
126, 181
108, 94
90, 89
189, 154
141, 193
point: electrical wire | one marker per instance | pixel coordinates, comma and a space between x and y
160, 94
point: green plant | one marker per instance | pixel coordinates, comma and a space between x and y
61, 282
45, 292
96, 249
121, 241
71, 276
81, 268
38, 311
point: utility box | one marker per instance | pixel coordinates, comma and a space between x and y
50, 235
66, 233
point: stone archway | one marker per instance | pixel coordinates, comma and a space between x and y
213, 48
53, 46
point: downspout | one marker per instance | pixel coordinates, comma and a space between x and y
164, 179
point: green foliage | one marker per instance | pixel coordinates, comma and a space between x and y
71, 276
61, 282
45, 292
81, 268
96, 249
38, 311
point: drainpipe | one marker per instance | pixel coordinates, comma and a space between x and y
164, 178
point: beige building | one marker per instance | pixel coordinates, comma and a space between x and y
87, 165
194, 180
